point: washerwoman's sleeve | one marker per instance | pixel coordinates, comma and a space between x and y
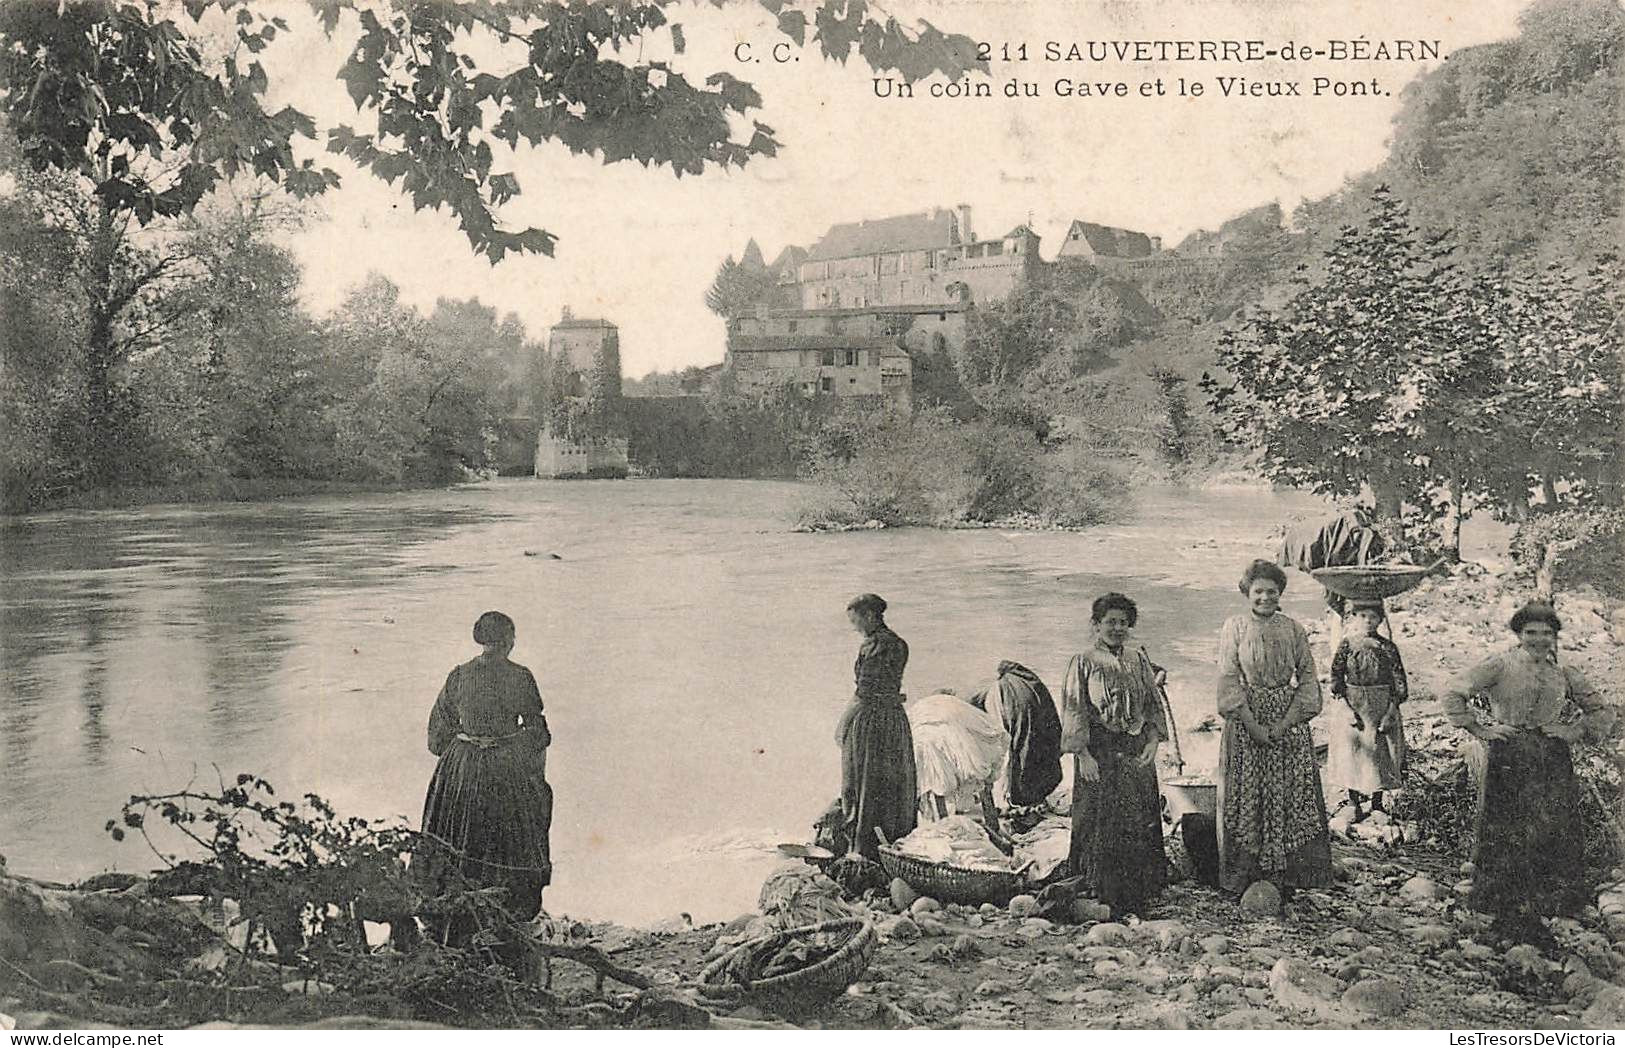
1340, 669
443, 718
1599, 715
1155, 716
1232, 693
1480, 678
1306, 699
1401, 685
1075, 707
535, 719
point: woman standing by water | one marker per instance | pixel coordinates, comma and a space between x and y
877, 748
489, 808
1272, 811
1111, 718
1528, 839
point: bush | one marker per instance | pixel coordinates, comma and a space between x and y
1081, 490
897, 470
928, 470
1586, 544
304, 878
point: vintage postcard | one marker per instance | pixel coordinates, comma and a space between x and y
771, 514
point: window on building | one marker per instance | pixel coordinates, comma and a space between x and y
792, 327
850, 358
827, 385
829, 358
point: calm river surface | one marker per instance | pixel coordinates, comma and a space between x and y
693, 655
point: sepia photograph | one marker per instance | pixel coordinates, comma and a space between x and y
775, 515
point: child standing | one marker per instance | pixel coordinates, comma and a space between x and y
1367, 751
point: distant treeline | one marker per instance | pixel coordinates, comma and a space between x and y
178, 357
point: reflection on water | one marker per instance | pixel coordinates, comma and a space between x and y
693, 655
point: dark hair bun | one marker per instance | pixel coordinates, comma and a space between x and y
867, 604
493, 628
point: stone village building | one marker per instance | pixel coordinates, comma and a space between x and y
871, 293
847, 316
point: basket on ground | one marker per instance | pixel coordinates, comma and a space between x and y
803, 988
1371, 581
967, 885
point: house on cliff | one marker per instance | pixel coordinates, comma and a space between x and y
862, 353
910, 260
1089, 241
848, 312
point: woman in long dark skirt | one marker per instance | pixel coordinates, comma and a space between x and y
1529, 843
877, 748
489, 808
1111, 718
1024, 705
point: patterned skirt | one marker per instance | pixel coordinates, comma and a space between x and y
1117, 825
486, 818
1272, 809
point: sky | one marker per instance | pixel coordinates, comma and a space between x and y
640, 246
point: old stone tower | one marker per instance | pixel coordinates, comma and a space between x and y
580, 434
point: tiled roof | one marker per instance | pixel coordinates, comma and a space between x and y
1112, 242
789, 259
583, 322
920, 232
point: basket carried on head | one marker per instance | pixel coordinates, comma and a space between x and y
1372, 581
969, 885
800, 989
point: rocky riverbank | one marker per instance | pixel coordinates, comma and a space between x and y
1389, 945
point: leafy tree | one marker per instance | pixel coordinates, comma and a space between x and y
126, 281
1558, 399
1069, 314
1336, 389
41, 378
1516, 145
604, 384
936, 384
1175, 440
738, 287
110, 89
241, 346
409, 404
136, 114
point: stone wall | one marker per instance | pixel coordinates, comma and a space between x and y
598, 457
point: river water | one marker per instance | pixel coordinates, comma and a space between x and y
693, 655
